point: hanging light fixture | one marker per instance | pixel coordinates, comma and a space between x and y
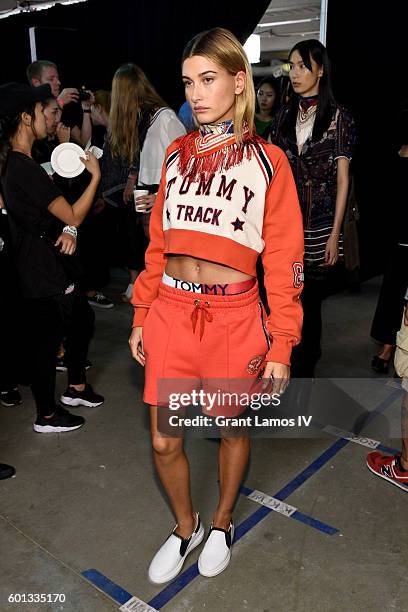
252, 48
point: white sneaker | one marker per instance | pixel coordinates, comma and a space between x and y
216, 554
169, 559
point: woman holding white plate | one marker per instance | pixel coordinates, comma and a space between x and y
43, 249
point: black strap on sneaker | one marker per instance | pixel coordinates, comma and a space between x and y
185, 541
198, 524
227, 534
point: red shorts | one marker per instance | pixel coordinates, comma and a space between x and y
195, 341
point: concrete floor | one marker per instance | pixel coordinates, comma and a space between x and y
89, 500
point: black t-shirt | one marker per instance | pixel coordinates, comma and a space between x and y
28, 191
42, 149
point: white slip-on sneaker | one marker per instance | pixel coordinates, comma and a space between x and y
169, 559
216, 554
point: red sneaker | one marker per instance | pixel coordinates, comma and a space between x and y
389, 468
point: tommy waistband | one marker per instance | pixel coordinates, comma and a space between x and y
209, 289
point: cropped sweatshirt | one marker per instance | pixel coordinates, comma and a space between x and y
229, 203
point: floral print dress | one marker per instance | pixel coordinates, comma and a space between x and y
315, 172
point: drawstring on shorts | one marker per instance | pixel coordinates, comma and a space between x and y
205, 315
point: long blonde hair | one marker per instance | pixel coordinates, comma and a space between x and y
224, 49
132, 95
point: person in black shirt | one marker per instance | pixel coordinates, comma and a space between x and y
37, 212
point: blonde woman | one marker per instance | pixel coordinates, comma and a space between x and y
225, 197
141, 127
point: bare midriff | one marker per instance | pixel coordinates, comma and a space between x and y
199, 271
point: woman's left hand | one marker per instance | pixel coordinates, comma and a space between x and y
68, 243
277, 374
331, 254
147, 201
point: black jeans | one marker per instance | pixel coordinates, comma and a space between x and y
50, 320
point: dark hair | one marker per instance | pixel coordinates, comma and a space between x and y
35, 69
274, 83
313, 49
49, 101
8, 127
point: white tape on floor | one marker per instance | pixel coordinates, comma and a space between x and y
136, 605
272, 503
347, 435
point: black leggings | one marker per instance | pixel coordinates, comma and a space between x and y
306, 355
50, 320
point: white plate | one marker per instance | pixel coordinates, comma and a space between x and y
65, 159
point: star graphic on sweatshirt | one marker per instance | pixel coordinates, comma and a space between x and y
238, 225
168, 214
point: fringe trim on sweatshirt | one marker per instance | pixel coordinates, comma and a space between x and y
221, 159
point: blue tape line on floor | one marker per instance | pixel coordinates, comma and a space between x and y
308, 520
294, 484
384, 404
299, 516
174, 587
388, 449
107, 586
161, 599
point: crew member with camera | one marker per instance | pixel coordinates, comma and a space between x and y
74, 103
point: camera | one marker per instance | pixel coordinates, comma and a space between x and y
83, 94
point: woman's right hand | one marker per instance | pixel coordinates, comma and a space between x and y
91, 164
136, 345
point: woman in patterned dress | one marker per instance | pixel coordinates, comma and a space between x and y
318, 136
